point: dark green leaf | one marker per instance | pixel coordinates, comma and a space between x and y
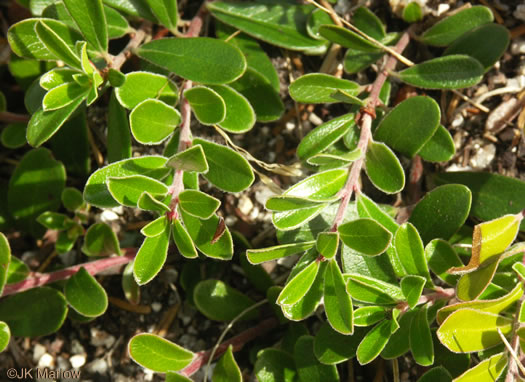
85, 294
437, 373
119, 137
412, 287
365, 236
191, 159
410, 251
100, 240
337, 302
152, 131
158, 354
56, 45
227, 369
369, 315
308, 367
383, 168
183, 240
72, 198
14, 135
439, 148
55, 220
319, 88
374, 291
240, 116
347, 38
420, 337
356, 60
299, 285
274, 365
412, 12
129, 286
331, 347
399, 341
375, 341
127, 190
441, 256
378, 267
91, 20
166, 12
198, 203
327, 244
151, 257
207, 105
256, 256
369, 23
140, 86
317, 18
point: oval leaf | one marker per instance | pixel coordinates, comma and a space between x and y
299, 285
140, 86
158, 354
257, 256
227, 369
91, 20
240, 115
85, 294
420, 339
152, 131
440, 147
151, 257
128, 190
198, 203
319, 88
383, 168
308, 367
337, 302
207, 105
365, 236
375, 341
410, 251
183, 240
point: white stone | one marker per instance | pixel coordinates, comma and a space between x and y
99, 366
442, 8
77, 361
101, 338
457, 121
38, 352
156, 306
108, 216
245, 205
46, 360
519, 12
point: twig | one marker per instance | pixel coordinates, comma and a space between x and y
238, 342
8, 117
365, 123
93, 267
439, 294
136, 39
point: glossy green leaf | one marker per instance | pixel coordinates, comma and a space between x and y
100, 240
324, 136
155, 227
369, 315
327, 244
320, 187
399, 342
199, 59
96, 191
317, 18
198, 203
437, 373
451, 28
346, 38
44, 124
56, 45
5, 259
56, 77
308, 367
448, 72
33, 313
375, 341
273, 21
5, 336
356, 60
441, 256
220, 302
127, 190
183, 240
367, 208
72, 199
35, 187
274, 365
412, 287
371, 290
151, 257
119, 137
55, 220
240, 115
441, 212
91, 20
410, 251
132, 8
299, 285
152, 131
149, 202
366, 21
412, 12
14, 135
471, 285
468, 330
331, 347
288, 203
335, 161
319, 88
227, 369
228, 170
337, 302
16, 271
85, 294
439, 148
291, 219
140, 86
158, 354
207, 105
346, 97
257, 256
487, 43
191, 159
420, 339
487, 370
365, 236
166, 12
264, 99
129, 286
410, 125
493, 195
63, 95
383, 168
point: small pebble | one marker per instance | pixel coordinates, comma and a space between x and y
517, 46
519, 12
108, 216
148, 375
255, 213
38, 352
77, 361
457, 121
63, 363
46, 360
263, 194
99, 366
101, 338
442, 8
483, 156
245, 205
156, 306
76, 347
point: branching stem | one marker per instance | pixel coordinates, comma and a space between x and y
136, 39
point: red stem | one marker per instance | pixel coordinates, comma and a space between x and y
93, 267
6, 116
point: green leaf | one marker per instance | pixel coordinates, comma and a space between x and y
317, 18
288, 203
119, 137
308, 367
299, 285
335, 161
366, 21
320, 187
257, 256
410, 125
346, 38
16, 271
456, 71
72, 198
410, 251
441, 212
240, 115
319, 88
487, 370
91, 20
325, 135
132, 7
439, 373
440, 147
56, 77
200, 59
166, 12
441, 256
203, 233
471, 285
492, 195
96, 191
383, 168
365, 236
56, 45
327, 244
375, 341
255, 274
5, 336
198, 203
207, 105
228, 170
331, 347
487, 43
367, 208
35, 187
227, 369
468, 330
356, 60
369, 315
44, 124
85, 294
151, 257
155, 227
55, 220
148, 202
274, 365
157, 354
5, 259
150, 131
371, 290
291, 219
129, 286
220, 302
63, 95
140, 86
183, 240
273, 21
191, 159
412, 12
420, 339
412, 287
399, 342
127, 190
100, 240
14, 135
337, 302
33, 313
264, 99
451, 28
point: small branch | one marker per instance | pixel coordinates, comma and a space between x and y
238, 342
136, 39
93, 267
439, 294
365, 123
8, 117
